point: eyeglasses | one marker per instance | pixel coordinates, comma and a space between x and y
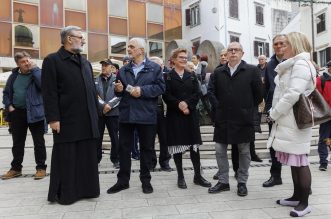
234, 50
79, 37
182, 57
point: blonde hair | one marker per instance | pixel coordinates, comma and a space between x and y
299, 43
175, 52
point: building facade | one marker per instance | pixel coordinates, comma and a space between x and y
34, 26
321, 37
252, 23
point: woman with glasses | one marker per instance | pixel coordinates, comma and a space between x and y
181, 96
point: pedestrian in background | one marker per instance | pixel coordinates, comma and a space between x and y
108, 109
23, 101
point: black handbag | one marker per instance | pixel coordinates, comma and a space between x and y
311, 110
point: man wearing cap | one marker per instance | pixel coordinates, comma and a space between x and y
323, 84
108, 103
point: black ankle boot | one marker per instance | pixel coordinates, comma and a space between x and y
181, 183
199, 180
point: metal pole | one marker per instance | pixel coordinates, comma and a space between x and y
312, 24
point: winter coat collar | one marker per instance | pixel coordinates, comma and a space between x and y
284, 66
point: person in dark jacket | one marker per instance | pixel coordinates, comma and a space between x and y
139, 83
161, 128
270, 74
71, 108
237, 88
108, 109
262, 65
183, 131
22, 99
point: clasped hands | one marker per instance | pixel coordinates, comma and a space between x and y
184, 107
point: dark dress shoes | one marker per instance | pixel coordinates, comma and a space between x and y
256, 159
242, 189
166, 168
199, 180
219, 187
215, 177
272, 181
181, 183
147, 188
117, 188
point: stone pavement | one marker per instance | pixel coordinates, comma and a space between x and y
24, 197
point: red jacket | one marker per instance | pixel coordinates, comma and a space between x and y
327, 89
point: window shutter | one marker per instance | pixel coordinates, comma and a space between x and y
256, 50
328, 54
315, 56
267, 49
188, 17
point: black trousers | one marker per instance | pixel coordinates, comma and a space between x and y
19, 127
146, 134
276, 166
162, 135
111, 122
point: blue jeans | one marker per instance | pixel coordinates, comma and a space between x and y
325, 132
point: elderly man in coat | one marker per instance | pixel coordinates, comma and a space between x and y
237, 89
139, 83
71, 108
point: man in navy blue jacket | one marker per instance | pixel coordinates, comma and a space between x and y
270, 74
22, 99
139, 83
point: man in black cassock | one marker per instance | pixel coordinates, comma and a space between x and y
70, 102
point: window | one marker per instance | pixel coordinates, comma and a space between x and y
234, 38
259, 14
118, 8
321, 23
233, 8
75, 5
193, 15
155, 49
324, 56
117, 45
155, 13
261, 48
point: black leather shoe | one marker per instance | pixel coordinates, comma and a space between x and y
147, 188
215, 177
199, 180
166, 168
117, 188
181, 183
256, 159
272, 181
219, 187
242, 189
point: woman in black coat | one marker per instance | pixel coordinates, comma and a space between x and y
183, 132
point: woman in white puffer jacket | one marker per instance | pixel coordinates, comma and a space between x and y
295, 76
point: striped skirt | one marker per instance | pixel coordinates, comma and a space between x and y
182, 148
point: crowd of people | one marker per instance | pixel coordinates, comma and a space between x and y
144, 98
